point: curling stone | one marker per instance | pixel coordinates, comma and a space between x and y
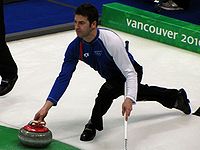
35, 135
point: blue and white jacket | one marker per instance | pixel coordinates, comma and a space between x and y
105, 54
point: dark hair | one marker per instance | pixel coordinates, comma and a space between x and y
89, 11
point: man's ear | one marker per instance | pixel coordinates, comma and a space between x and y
93, 24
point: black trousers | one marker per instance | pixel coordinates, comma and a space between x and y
8, 67
114, 88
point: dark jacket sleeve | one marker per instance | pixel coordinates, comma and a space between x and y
68, 67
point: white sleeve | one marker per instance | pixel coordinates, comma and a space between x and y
116, 49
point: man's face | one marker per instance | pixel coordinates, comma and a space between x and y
82, 26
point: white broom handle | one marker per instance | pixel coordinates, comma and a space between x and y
125, 134
125, 129
125, 124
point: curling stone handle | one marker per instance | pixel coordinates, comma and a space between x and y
35, 122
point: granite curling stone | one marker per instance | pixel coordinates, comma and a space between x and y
35, 134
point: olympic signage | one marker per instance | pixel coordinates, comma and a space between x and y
152, 26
